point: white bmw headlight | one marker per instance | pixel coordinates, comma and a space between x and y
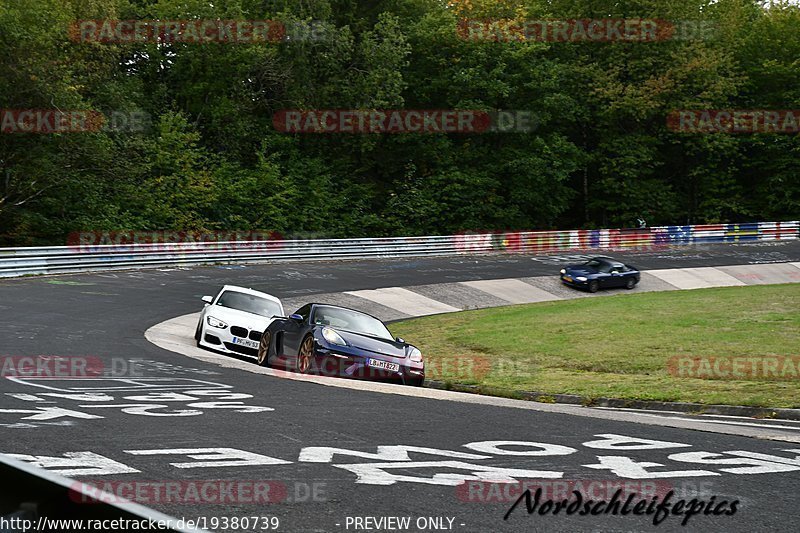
415, 355
332, 337
581, 278
216, 323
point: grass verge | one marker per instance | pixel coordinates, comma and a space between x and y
623, 346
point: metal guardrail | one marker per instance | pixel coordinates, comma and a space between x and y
88, 255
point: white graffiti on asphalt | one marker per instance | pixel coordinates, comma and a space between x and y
159, 397
388, 465
214, 457
76, 464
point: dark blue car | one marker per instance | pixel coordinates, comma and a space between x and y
335, 341
600, 273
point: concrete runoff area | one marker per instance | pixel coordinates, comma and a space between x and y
459, 295
405, 301
682, 279
514, 291
715, 277
764, 274
450, 297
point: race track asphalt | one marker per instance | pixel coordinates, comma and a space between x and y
163, 417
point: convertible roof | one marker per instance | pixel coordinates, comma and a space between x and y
609, 260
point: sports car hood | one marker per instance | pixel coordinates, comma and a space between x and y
234, 317
373, 344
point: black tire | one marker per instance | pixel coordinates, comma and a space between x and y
263, 349
305, 355
631, 283
416, 382
197, 333
594, 286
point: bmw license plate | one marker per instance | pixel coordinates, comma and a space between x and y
567, 278
247, 343
383, 365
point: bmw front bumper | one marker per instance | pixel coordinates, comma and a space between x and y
233, 339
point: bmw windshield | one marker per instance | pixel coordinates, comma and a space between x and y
249, 303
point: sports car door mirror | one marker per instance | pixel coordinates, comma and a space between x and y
208, 299
296, 317
400, 340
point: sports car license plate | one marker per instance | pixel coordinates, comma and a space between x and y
384, 365
567, 278
245, 342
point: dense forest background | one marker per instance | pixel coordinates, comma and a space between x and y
600, 156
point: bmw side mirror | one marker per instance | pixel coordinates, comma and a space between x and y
296, 317
208, 299
400, 340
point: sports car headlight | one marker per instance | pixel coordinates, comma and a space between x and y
332, 337
415, 355
581, 278
216, 323
563, 271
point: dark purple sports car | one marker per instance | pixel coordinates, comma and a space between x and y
336, 341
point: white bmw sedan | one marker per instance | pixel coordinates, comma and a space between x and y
234, 319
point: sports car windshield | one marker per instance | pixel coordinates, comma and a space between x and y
249, 303
350, 321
